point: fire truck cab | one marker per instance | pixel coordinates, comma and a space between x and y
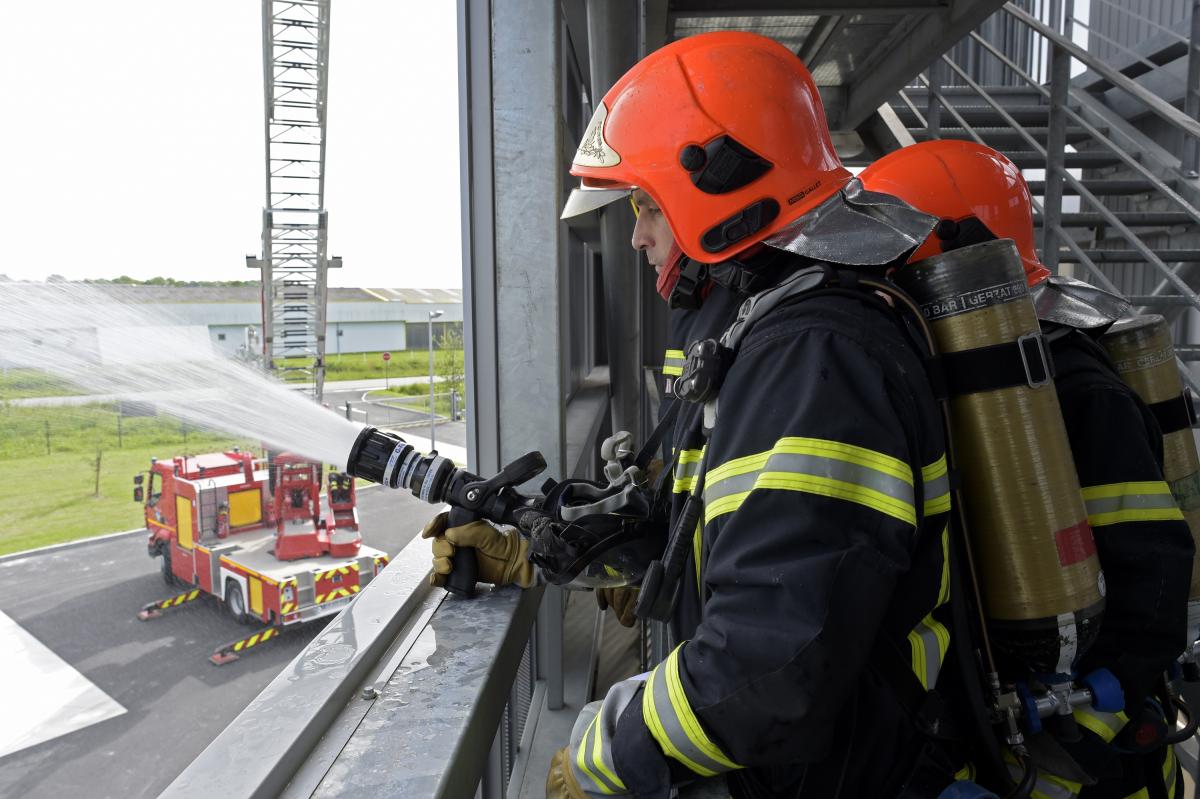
257, 535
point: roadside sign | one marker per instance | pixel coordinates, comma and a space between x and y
387, 356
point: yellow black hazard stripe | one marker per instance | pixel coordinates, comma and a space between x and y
674, 725
673, 363
1115, 503
331, 573
285, 606
336, 593
815, 466
256, 639
178, 599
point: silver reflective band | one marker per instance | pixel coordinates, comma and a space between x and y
832, 468
410, 464
391, 464
427, 484
583, 200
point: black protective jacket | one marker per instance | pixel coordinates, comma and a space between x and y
819, 566
1145, 548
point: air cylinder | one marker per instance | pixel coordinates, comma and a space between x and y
1040, 577
1145, 359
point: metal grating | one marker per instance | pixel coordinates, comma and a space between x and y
850, 47
790, 31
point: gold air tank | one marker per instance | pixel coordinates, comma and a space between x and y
1043, 590
1141, 350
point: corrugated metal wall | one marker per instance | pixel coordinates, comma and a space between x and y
1125, 23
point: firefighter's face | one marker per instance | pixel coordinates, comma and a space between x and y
651, 233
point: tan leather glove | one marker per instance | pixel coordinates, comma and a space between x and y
560, 782
621, 600
503, 556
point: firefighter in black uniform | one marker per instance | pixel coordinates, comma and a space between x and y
1145, 546
812, 609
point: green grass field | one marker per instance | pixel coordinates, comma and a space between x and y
367, 365
21, 383
416, 397
48, 454
49, 499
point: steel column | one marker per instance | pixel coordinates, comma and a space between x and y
1191, 145
933, 103
612, 49
1056, 143
549, 645
480, 343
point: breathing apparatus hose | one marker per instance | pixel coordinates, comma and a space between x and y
976, 698
1189, 729
1028, 778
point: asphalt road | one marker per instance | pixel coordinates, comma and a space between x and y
81, 603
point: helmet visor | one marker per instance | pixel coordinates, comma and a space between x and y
584, 200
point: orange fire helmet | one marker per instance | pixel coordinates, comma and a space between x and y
724, 130
966, 185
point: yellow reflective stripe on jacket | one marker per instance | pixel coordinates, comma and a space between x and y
929, 641
1115, 503
1104, 725
1047, 785
936, 478
944, 587
1170, 772
815, 466
687, 467
594, 758
673, 363
698, 554
670, 719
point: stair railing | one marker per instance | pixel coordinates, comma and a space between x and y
1058, 95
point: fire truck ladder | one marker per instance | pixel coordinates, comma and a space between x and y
294, 260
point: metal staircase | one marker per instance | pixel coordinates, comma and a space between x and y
1111, 159
294, 260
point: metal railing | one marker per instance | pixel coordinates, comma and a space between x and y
1068, 105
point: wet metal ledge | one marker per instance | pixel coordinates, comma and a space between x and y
442, 669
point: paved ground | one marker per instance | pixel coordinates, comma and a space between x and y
176, 701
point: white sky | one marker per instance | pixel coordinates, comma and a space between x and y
133, 135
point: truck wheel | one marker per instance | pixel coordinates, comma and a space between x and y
235, 603
168, 575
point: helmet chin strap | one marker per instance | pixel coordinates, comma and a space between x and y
686, 283
669, 276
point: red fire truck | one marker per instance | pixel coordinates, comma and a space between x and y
256, 535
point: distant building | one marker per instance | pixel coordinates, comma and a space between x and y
359, 320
